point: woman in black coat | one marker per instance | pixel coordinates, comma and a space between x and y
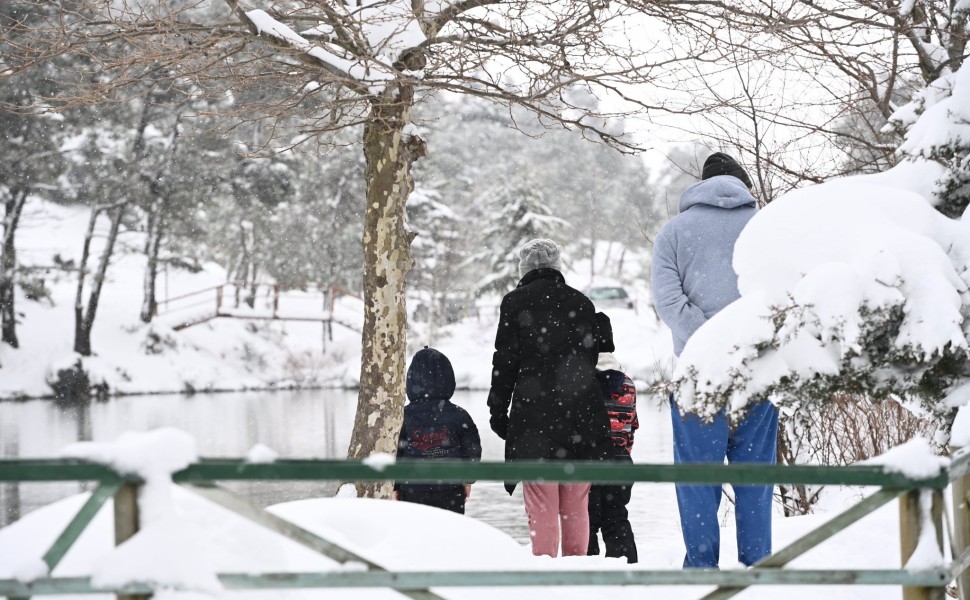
543, 368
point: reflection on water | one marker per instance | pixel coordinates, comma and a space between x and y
299, 424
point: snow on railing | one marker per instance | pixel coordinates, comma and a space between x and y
124, 467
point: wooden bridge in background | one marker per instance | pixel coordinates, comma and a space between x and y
264, 302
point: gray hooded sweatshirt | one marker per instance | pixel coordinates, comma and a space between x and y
692, 275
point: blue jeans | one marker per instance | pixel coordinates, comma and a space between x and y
753, 441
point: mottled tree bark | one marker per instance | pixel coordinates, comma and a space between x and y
389, 155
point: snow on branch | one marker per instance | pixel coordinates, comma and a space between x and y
856, 285
937, 124
373, 74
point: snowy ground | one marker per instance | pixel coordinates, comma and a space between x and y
135, 358
409, 537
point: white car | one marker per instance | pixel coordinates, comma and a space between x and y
610, 297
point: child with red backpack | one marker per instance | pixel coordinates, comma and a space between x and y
607, 502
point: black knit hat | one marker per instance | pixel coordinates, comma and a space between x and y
430, 376
722, 164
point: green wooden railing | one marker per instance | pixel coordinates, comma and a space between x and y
917, 498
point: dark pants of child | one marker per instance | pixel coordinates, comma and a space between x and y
608, 513
452, 499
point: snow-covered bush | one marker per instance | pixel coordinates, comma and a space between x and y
857, 286
937, 124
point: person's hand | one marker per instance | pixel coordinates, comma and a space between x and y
500, 425
468, 491
395, 496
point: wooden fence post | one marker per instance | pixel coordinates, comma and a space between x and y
126, 522
961, 530
910, 523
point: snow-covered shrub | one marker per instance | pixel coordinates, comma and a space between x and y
853, 286
158, 341
937, 125
68, 380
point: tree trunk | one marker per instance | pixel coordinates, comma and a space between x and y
156, 221
389, 155
14, 207
84, 324
161, 190
81, 337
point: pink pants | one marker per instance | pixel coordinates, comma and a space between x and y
546, 504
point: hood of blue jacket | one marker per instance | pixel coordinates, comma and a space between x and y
723, 191
430, 376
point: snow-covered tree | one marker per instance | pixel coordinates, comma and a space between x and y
32, 161
937, 125
801, 89
437, 230
512, 215
314, 238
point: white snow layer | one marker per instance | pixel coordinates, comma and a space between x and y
945, 120
817, 260
261, 454
379, 460
163, 551
914, 459
411, 537
388, 26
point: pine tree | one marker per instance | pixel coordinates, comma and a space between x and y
518, 213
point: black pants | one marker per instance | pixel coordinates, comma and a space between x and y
449, 499
607, 513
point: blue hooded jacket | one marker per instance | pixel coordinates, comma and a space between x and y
692, 275
433, 426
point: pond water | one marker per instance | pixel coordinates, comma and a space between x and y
297, 424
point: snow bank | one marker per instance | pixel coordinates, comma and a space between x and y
915, 459
261, 454
162, 552
410, 537
396, 535
858, 279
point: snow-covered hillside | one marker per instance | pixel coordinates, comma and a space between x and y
232, 354
131, 357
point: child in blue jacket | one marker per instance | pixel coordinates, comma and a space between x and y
435, 428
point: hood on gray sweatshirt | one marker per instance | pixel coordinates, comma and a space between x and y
692, 274
722, 191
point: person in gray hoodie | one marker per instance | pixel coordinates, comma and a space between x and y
692, 280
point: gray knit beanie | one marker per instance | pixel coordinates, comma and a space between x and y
539, 254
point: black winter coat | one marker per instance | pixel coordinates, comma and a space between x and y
544, 368
436, 428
